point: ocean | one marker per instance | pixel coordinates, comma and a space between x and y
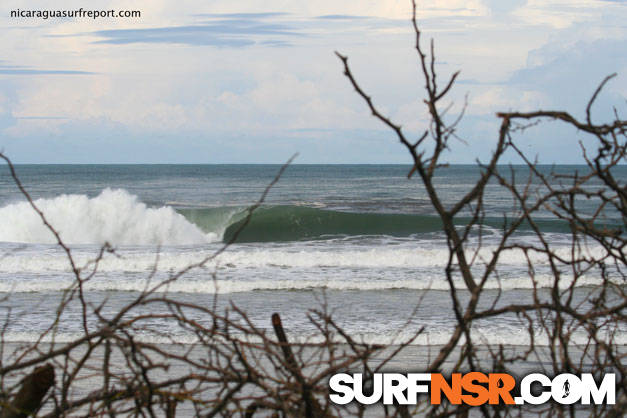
362, 241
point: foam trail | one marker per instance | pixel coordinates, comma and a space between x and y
432, 335
284, 257
224, 286
114, 216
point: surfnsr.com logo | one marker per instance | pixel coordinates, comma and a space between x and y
474, 388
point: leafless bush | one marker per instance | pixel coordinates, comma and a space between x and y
238, 369
601, 313
234, 368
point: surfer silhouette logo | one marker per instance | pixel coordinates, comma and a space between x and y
566, 389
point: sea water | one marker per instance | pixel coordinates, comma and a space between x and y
361, 240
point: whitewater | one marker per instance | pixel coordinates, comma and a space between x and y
361, 238
114, 216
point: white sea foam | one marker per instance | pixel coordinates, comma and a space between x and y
285, 256
224, 286
114, 216
432, 335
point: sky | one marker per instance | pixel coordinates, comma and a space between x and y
240, 81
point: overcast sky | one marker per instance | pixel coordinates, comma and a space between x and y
197, 81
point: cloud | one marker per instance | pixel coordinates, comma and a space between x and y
341, 17
236, 30
243, 15
504, 6
228, 81
41, 117
505, 98
562, 14
569, 75
222, 30
26, 71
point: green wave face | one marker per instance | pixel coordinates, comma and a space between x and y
297, 223
290, 223
213, 220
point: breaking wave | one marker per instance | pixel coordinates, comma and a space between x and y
119, 218
114, 216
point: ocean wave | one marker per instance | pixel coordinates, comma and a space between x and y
119, 218
114, 216
294, 223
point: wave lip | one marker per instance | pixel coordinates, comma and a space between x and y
114, 216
